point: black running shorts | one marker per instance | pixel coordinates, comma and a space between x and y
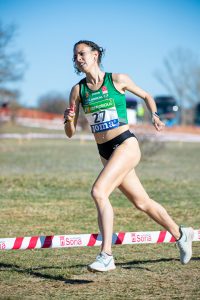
106, 149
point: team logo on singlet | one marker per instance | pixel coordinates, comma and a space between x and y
104, 90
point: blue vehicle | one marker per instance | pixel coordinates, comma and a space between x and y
197, 115
168, 110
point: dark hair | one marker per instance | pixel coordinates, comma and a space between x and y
94, 47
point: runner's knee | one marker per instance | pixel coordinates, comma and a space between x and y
98, 194
143, 204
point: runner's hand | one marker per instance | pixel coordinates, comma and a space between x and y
69, 114
158, 124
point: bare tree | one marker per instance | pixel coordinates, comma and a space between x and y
52, 102
12, 67
12, 64
181, 78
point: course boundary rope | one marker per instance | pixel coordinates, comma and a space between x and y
88, 240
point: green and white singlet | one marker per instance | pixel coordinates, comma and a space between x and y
104, 108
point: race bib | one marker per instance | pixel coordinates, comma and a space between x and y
102, 115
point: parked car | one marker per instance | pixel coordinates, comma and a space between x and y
168, 110
197, 115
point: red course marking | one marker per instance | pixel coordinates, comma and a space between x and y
161, 236
120, 238
18, 243
92, 240
172, 240
33, 242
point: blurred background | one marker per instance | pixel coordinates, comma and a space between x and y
156, 42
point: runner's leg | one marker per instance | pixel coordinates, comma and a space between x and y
123, 159
134, 191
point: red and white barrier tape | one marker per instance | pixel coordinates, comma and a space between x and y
88, 240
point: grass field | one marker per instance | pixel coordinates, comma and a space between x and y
45, 189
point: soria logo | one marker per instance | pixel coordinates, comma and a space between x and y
72, 241
140, 238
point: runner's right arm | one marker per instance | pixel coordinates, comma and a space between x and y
72, 112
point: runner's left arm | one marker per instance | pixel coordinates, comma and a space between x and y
126, 83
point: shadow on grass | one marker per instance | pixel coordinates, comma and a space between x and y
135, 263
16, 268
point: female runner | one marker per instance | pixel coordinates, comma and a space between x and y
102, 96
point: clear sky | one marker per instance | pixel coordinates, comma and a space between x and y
137, 35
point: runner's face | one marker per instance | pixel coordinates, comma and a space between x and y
84, 57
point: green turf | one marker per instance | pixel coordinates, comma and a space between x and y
45, 189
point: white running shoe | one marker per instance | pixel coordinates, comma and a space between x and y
185, 244
103, 263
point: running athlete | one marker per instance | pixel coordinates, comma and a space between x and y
102, 96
